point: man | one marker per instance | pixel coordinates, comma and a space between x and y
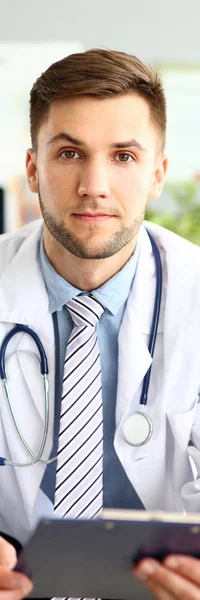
84, 281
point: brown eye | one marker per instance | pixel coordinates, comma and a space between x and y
68, 154
124, 157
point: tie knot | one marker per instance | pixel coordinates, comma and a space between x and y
85, 310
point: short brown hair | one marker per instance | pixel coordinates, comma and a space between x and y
102, 74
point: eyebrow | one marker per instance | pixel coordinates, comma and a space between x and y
66, 137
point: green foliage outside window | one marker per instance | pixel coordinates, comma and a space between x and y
186, 219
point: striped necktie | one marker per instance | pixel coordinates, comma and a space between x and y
79, 479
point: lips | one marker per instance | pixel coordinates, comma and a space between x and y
92, 216
89, 214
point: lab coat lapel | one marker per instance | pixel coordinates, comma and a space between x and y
134, 357
27, 304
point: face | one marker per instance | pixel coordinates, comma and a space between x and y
97, 164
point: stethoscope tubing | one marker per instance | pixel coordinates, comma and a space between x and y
23, 329
20, 328
155, 319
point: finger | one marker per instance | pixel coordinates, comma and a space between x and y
187, 566
155, 574
22, 586
8, 556
17, 583
17, 594
144, 575
158, 591
9, 580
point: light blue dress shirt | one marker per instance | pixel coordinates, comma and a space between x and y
113, 295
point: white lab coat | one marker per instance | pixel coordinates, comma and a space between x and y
161, 470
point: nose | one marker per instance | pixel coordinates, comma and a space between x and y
94, 180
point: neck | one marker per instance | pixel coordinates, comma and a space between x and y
85, 274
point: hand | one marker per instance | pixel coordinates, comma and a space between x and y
13, 586
177, 577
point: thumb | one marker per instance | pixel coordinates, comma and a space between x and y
8, 556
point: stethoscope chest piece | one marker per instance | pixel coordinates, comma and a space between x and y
137, 429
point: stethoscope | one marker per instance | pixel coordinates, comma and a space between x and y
138, 427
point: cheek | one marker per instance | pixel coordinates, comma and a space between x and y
52, 171
136, 180
132, 191
54, 183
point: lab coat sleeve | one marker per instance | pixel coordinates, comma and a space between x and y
191, 490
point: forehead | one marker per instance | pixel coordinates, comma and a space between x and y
100, 121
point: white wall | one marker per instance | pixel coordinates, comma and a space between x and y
152, 29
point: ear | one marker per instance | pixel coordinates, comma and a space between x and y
31, 170
158, 178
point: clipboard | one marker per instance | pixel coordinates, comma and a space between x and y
94, 558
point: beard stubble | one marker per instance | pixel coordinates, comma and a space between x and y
71, 242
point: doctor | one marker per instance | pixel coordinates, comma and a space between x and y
98, 122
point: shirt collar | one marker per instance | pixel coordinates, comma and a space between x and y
111, 294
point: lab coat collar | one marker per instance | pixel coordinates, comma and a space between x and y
18, 304
142, 296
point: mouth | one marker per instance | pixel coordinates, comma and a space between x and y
92, 217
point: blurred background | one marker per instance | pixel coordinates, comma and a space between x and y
33, 35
